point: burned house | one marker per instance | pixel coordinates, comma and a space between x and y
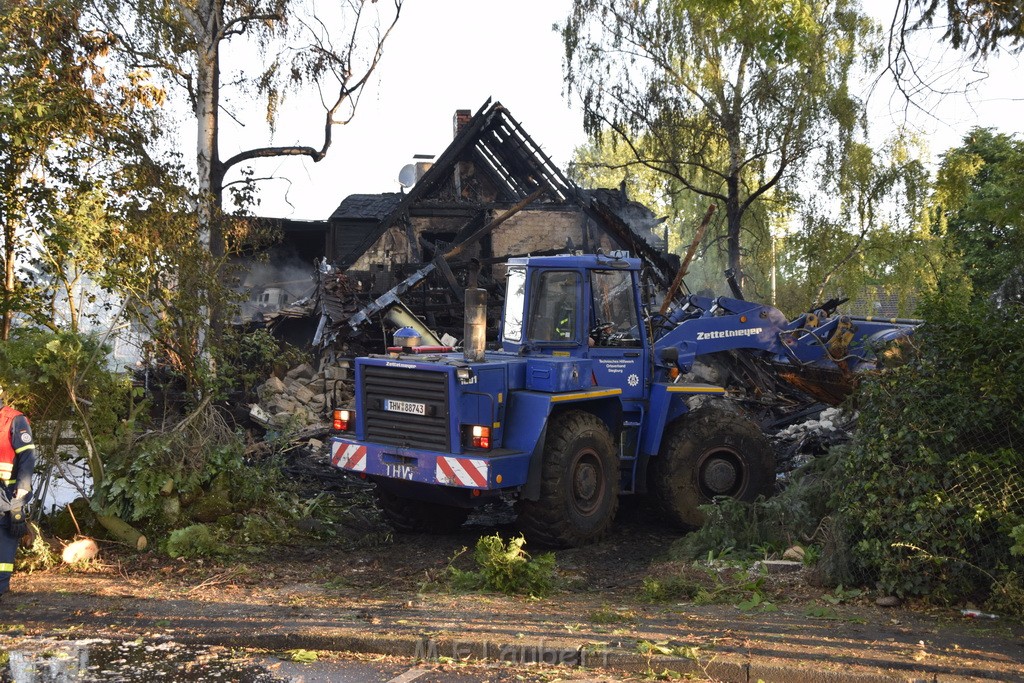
491, 195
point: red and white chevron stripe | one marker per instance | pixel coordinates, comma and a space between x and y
348, 456
461, 472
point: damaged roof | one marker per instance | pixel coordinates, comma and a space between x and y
516, 166
497, 143
361, 207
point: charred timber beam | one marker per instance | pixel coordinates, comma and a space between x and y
487, 229
449, 276
410, 235
685, 265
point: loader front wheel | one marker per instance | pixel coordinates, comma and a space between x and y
710, 453
579, 491
412, 516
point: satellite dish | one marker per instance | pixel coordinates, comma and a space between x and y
407, 176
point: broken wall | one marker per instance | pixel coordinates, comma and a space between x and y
390, 248
526, 232
530, 231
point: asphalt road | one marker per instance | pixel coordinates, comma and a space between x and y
40, 660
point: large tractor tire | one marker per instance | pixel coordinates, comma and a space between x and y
411, 516
710, 453
579, 490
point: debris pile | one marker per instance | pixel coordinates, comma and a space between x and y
798, 444
304, 397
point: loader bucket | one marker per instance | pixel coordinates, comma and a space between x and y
828, 385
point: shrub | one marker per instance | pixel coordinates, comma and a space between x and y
198, 540
246, 359
931, 489
776, 523
199, 463
37, 557
507, 568
682, 586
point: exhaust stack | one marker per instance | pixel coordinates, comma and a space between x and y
475, 330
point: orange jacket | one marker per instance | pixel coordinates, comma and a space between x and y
7, 415
9, 451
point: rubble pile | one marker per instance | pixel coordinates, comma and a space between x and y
798, 444
303, 397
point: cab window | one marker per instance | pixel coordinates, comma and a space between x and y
614, 314
515, 304
553, 314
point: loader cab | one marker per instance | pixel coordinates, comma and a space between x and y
580, 306
544, 307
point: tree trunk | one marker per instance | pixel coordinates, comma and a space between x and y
210, 170
122, 531
207, 115
9, 236
734, 218
118, 528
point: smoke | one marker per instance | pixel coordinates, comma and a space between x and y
280, 281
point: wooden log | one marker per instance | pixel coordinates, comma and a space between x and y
122, 531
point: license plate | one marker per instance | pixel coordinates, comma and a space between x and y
405, 407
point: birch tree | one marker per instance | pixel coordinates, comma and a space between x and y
330, 49
729, 99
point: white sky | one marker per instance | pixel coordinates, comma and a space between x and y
454, 54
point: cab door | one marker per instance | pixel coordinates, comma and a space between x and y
617, 343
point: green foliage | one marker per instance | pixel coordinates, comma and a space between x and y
932, 487
811, 556
753, 530
60, 381
39, 367
197, 540
302, 656
709, 585
980, 27
37, 557
610, 615
870, 234
691, 652
1008, 595
66, 132
1017, 535
246, 358
980, 202
231, 535
841, 595
202, 467
680, 586
506, 568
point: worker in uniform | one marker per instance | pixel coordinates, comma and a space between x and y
564, 295
17, 460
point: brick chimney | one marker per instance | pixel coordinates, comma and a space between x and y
461, 120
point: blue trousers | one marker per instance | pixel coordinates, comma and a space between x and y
8, 549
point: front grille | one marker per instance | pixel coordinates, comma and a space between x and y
428, 431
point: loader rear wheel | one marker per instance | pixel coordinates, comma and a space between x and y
579, 491
706, 454
412, 516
